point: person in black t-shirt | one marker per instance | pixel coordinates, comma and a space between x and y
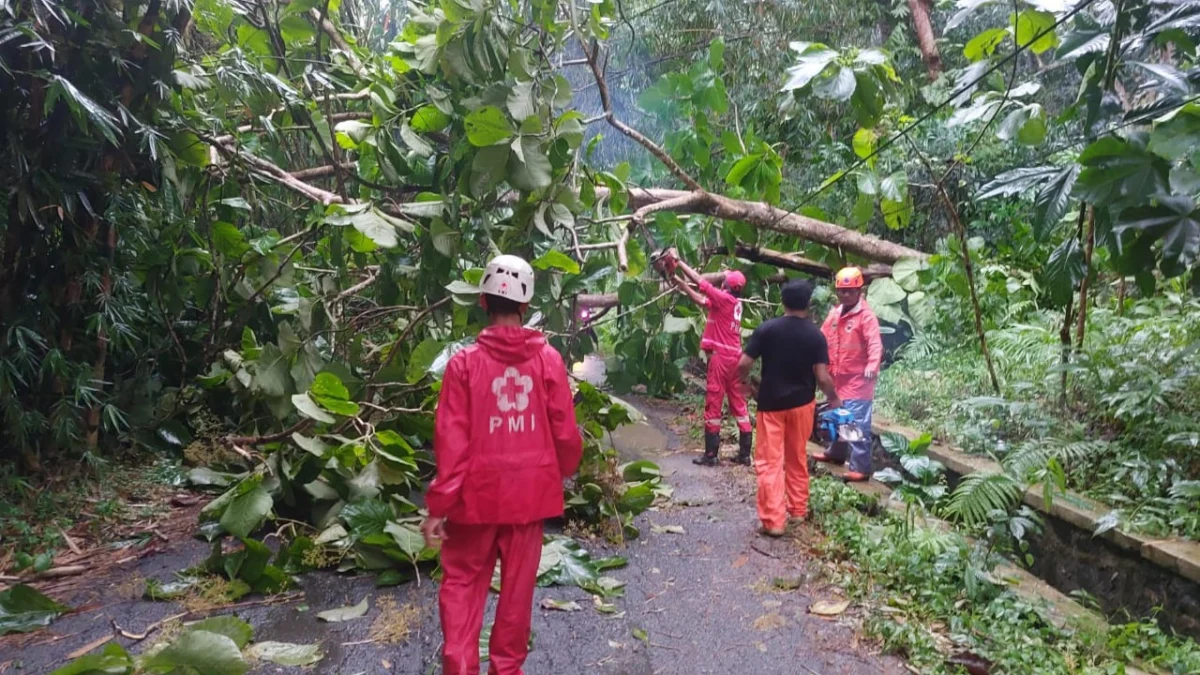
795, 360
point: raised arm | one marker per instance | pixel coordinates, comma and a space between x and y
694, 295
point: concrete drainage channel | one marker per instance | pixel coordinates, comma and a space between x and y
1121, 570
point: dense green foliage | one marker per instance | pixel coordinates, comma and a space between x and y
936, 599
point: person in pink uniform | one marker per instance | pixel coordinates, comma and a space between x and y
504, 439
722, 341
855, 355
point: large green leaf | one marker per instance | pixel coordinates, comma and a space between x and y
428, 119
812, 59
307, 407
199, 652
1120, 171
1172, 219
23, 609
487, 126
1054, 199
328, 391
1178, 136
1064, 270
489, 167
113, 660
984, 45
884, 291
1036, 29
230, 626
837, 84
247, 512
529, 168
422, 358
558, 260
905, 272
286, 653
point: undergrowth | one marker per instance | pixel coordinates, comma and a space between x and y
1133, 392
932, 597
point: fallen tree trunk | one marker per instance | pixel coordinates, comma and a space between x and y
795, 261
647, 201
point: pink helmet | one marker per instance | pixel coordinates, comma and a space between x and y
735, 280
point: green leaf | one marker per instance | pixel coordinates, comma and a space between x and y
247, 512
419, 146
520, 102
199, 652
1054, 199
812, 59
489, 167
487, 126
307, 407
529, 168
344, 613
286, 653
83, 108
1172, 219
1119, 171
865, 141
556, 260
1064, 270
1032, 23
408, 538
230, 626
296, 31
422, 358
896, 214
114, 660
884, 291
742, 168
905, 272
836, 85
1179, 136
894, 186
229, 240
984, 45
328, 385
23, 609
428, 119
189, 149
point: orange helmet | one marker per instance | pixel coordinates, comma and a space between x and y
849, 277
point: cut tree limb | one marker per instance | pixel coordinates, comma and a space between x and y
795, 261
767, 217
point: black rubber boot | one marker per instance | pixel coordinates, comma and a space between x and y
712, 443
745, 444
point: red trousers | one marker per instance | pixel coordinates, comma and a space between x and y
469, 555
723, 383
781, 463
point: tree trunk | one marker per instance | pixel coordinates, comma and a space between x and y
926, 40
1089, 247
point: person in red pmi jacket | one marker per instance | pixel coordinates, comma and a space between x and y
855, 355
722, 340
504, 439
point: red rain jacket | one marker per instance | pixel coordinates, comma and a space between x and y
504, 434
854, 345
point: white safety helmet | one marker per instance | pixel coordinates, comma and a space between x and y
510, 277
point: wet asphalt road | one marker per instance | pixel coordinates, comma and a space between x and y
704, 599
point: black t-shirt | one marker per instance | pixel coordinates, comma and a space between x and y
789, 346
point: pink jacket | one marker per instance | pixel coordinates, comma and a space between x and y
504, 433
854, 346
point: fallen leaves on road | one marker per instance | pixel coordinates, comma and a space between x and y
286, 653
667, 529
770, 621
829, 607
344, 613
562, 605
740, 562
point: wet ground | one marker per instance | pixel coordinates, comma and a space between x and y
716, 598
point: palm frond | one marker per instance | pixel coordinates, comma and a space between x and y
1035, 455
979, 494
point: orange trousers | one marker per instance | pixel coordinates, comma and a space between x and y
781, 463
